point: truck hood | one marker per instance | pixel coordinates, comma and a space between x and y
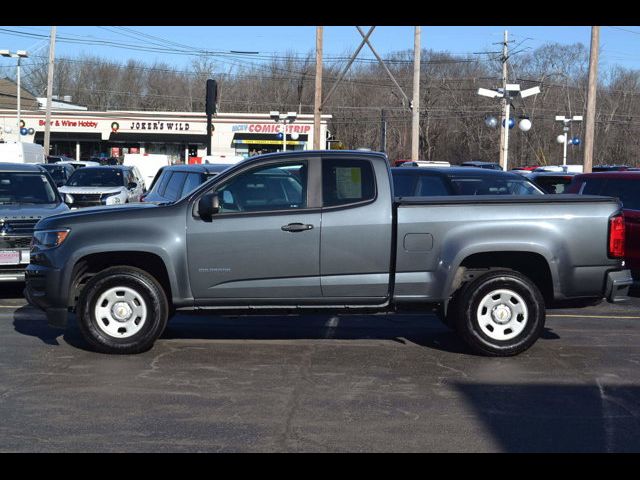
70, 217
104, 190
31, 211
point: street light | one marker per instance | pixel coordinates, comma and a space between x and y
563, 138
511, 91
283, 118
19, 54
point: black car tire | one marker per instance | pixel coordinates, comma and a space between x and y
147, 291
465, 313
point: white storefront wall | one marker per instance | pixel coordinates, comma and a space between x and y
163, 132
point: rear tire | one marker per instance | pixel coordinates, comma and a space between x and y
500, 314
122, 310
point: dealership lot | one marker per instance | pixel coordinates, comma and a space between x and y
321, 383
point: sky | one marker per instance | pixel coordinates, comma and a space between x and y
618, 45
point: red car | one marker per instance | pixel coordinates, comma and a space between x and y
626, 186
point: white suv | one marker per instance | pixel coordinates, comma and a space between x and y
108, 185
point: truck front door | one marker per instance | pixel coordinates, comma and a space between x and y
263, 247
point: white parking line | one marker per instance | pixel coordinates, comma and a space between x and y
593, 316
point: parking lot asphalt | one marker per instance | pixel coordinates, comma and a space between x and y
348, 383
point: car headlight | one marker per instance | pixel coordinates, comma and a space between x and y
68, 198
112, 199
49, 238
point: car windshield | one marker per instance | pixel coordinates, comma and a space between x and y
494, 186
56, 172
25, 187
96, 177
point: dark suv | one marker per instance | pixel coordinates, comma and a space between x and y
27, 194
175, 181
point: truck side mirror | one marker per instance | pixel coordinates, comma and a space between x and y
132, 185
208, 205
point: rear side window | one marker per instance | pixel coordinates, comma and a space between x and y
627, 190
192, 181
347, 181
429, 186
404, 185
592, 186
162, 182
174, 187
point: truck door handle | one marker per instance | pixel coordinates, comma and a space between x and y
296, 227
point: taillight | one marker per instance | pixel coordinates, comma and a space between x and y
616, 236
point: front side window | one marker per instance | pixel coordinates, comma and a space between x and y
347, 181
266, 188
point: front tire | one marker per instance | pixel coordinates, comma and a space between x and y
501, 313
122, 310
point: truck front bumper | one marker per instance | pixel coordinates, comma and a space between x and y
617, 286
41, 292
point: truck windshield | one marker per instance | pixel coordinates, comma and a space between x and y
25, 187
96, 177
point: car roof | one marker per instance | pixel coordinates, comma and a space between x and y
206, 168
635, 174
458, 172
20, 167
552, 174
478, 162
106, 167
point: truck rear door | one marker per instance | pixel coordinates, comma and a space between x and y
355, 244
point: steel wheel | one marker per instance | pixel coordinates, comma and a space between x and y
120, 312
502, 314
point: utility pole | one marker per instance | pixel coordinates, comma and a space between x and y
504, 124
317, 105
415, 104
47, 124
589, 133
383, 132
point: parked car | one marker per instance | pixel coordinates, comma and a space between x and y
175, 181
425, 163
624, 185
60, 172
21, 152
79, 163
95, 186
59, 158
551, 182
428, 182
477, 164
27, 194
148, 165
526, 168
560, 168
305, 231
609, 168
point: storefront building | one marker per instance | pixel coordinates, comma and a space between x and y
86, 134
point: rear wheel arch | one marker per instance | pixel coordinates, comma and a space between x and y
533, 265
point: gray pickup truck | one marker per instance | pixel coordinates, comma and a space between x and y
321, 230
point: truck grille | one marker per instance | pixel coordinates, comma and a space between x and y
17, 228
14, 242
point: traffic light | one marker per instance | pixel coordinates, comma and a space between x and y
212, 97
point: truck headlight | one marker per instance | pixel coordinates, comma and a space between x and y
49, 238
